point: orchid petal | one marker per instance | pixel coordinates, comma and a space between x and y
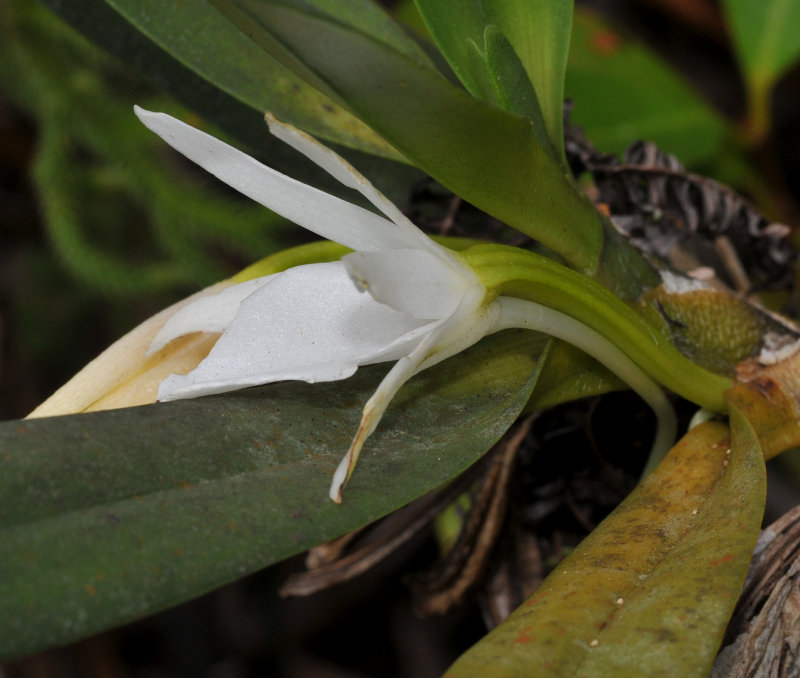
471, 321
315, 210
207, 314
412, 281
309, 323
342, 170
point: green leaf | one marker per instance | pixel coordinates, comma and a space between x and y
483, 58
503, 80
536, 31
567, 374
623, 92
114, 515
487, 156
650, 591
540, 31
766, 36
186, 47
767, 43
369, 18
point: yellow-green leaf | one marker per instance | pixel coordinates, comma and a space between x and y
650, 591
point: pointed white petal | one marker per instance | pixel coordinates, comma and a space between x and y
319, 212
342, 170
207, 314
309, 323
403, 370
470, 322
413, 281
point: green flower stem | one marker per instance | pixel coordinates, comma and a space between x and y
514, 272
516, 312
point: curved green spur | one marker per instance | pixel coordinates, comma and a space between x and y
514, 272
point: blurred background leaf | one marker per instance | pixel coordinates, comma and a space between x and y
624, 92
109, 200
767, 44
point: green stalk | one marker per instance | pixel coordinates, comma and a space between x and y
513, 272
527, 314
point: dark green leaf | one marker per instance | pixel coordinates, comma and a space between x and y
114, 515
232, 88
489, 157
219, 54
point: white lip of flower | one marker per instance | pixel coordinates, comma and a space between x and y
399, 296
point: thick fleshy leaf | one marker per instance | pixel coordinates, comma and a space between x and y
539, 31
538, 34
238, 68
650, 591
484, 60
623, 92
114, 515
485, 155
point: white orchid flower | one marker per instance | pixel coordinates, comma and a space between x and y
398, 297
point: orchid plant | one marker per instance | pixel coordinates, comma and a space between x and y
380, 290
397, 296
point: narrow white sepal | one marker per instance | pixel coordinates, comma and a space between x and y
315, 210
343, 171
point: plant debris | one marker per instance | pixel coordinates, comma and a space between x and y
763, 638
660, 206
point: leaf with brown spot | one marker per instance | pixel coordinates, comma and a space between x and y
769, 397
677, 573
